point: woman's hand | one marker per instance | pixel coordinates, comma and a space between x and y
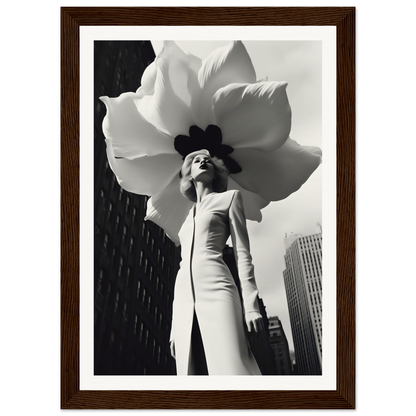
172, 349
254, 321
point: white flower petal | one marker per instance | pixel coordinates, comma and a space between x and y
223, 66
253, 203
276, 175
168, 108
183, 70
253, 115
130, 134
144, 175
148, 80
169, 209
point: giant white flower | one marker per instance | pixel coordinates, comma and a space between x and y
186, 104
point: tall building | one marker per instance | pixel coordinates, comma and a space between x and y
135, 263
280, 347
303, 283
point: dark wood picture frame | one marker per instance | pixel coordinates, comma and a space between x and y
71, 395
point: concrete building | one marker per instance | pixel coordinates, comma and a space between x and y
280, 347
303, 283
135, 263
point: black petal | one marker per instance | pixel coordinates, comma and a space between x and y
196, 133
226, 150
182, 145
214, 135
232, 165
211, 140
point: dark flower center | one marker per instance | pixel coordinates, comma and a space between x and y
211, 140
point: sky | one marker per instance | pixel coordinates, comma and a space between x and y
299, 63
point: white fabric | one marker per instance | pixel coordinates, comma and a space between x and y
205, 286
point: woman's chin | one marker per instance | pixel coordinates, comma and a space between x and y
204, 176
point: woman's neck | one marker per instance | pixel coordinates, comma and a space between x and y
202, 189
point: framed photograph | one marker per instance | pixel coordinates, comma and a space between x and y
274, 90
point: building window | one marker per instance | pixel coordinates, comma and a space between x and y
128, 277
131, 244
141, 257
147, 338
120, 267
117, 222
143, 228
124, 234
116, 302
161, 290
120, 195
138, 289
134, 215
136, 318
110, 209
151, 273
125, 314
105, 241
127, 204
141, 331
100, 282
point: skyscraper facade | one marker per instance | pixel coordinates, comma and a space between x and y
303, 283
135, 263
280, 346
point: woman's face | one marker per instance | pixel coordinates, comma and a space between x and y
202, 168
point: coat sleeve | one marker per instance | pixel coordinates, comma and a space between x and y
241, 245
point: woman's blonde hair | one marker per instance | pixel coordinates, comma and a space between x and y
219, 183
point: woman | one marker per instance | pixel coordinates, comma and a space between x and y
208, 335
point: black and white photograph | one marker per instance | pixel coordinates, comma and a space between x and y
208, 228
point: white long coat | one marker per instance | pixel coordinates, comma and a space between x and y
205, 287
